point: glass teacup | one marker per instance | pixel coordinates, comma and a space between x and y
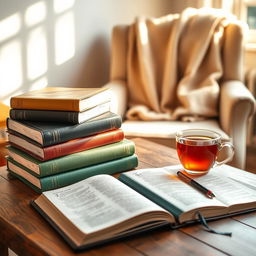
198, 150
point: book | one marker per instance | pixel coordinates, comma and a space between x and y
46, 133
98, 209
141, 200
72, 161
40, 184
61, 98
62, 149
73, 117
164, 187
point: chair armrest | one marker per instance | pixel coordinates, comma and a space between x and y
119, 96
237, 105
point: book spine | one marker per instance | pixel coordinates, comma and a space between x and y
67, 178
45, 104
69, 147
44, 116
81, 144
87, 158
81, 130
153, 196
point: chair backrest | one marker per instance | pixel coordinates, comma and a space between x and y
232, 52
119, 49
174, 66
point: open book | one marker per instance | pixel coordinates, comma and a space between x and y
163, 186
101, 208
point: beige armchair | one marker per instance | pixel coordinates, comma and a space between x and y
235, 104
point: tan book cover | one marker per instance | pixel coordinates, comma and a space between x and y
61, 98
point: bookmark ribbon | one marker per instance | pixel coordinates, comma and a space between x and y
209, 229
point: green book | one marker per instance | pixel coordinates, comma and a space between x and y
70, 177
73, 161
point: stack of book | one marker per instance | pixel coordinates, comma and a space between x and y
58, 136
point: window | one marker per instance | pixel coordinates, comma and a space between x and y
246, 11
251, 17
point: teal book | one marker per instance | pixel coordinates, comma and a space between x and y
73, 161
50, 133
70, 177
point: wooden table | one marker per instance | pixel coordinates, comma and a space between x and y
24, 231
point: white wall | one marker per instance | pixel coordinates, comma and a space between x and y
62, 42
67, 42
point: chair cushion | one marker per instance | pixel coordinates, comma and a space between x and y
164, 131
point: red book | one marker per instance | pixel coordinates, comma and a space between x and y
66, 148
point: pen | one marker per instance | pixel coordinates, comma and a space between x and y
195, 184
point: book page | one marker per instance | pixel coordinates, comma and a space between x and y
98, 202
229, 188
246, 178
165, 183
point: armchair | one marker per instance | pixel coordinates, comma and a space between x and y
157, 118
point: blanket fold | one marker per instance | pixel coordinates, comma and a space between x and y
174, 65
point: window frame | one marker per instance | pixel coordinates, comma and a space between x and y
240, 10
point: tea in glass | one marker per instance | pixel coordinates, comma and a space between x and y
198, 150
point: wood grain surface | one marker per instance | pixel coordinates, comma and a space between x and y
24, 231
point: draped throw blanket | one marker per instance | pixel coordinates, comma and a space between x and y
174, 65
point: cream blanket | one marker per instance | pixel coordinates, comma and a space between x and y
174, 65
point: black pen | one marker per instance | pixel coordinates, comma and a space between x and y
196, 185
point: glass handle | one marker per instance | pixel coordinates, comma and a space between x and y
231, 152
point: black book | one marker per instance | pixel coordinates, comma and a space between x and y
73, 117
50, 133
